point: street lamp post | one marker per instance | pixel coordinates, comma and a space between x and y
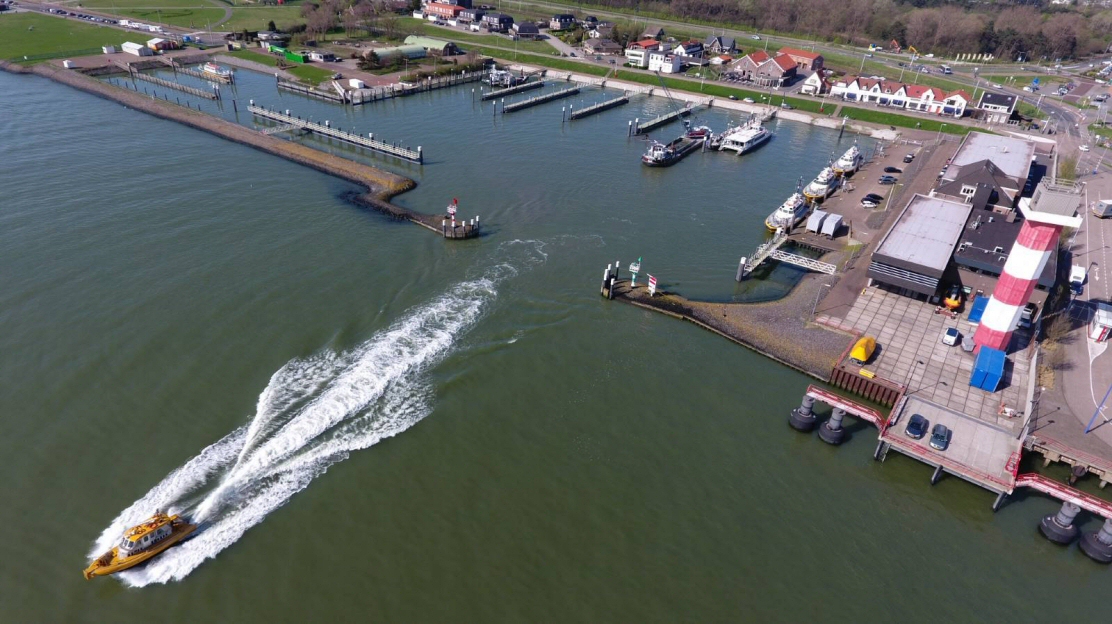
863, 57
939, 137
818, 294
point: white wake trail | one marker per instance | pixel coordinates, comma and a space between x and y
312, 414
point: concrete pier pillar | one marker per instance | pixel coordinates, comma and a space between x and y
740, 270
1098, 544
605, 278
831, 431
802, 418
1076, 472
1059, 527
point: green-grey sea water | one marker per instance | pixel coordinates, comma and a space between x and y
375, 424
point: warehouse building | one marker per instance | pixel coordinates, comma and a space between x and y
915, 257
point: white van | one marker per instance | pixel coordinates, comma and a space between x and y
1077, 278
946, 69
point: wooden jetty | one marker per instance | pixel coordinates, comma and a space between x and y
170, 84
327, 130
294, 87
642, 128
599, 107
525, 86
540, 99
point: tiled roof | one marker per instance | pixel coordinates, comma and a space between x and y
800, 53
758, 56
784, 62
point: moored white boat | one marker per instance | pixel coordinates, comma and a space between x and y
216, 70
849, 162
823, 184
790, 213
745, 138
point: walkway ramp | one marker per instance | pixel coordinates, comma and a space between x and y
1065, 493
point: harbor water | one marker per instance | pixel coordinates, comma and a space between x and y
373, 423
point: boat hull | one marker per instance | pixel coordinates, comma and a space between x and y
773, 225
747, 147
110, 563
680, 148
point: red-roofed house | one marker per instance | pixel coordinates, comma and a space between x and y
443, 10
637, 52
805, 62
897, 95
762, 69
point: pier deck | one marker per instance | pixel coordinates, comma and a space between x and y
540, 99
598, 107
983, 454
348, 137
666, 118
525, 86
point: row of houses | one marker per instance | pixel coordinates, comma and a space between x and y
656, 55
920, 98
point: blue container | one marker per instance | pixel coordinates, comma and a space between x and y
977, 310
988, 370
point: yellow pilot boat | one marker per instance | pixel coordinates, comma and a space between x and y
140, 543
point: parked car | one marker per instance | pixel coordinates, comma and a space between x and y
893, 170
1084, 148
786, 106
756, 37
940, 437
917, 427
909, 158
1028, 89
951, 336
887, 179
733, 97
874, 197
1101, 98
747, 100
1027, 315
868, 203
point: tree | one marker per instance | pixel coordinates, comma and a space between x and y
1067, 167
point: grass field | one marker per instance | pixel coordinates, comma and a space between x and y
256, 17
306, 73
199, 19
128, 4
904, 121
310, 74
33, 34
415, 26
258, 57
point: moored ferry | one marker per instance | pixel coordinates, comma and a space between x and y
141, 543
745, 138
849, 162
217, 71
790, 213
823, 184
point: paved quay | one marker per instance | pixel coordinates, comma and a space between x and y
764, 327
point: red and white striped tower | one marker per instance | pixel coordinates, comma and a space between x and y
1052, 208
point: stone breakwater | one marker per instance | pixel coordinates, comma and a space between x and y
381, 185
778, 329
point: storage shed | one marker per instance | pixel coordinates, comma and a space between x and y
432, 45
387, 55
137, 49
1101, 325
831, 225
814, 222
988, 369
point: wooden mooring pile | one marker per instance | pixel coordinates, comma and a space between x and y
327, 130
